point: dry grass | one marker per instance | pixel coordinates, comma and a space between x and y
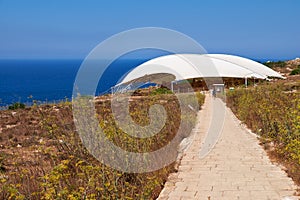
273, 112
42, 157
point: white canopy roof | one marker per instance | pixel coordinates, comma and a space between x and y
186, 66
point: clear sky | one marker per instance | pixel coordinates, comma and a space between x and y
257, 29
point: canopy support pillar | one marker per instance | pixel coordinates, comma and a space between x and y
172, 86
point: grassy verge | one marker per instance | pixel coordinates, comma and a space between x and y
42, 156
273, 112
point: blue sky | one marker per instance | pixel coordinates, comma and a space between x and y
255, 29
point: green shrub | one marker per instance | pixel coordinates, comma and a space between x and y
161, 91
280, 64
17, 105
200, 98
295, 71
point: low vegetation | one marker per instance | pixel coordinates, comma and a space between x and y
287, 68
161, 91
42, 157
275, 64
295, 71
273, 112
16, 106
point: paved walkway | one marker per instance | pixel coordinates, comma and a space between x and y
236, 168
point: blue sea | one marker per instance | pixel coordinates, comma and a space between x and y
51, 80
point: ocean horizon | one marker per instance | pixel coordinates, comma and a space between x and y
51, 80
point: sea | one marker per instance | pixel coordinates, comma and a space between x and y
51, 81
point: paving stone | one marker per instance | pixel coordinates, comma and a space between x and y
236, 168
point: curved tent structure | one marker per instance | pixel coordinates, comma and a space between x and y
256, 67
187, 66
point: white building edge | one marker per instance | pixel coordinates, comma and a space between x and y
188, 66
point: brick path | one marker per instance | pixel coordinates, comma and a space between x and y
236, 168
